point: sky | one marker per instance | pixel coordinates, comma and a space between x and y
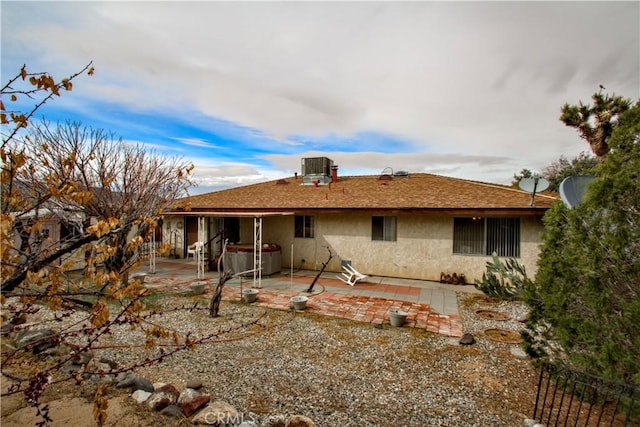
246, 90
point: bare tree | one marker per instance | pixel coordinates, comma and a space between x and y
105, 190
108, 196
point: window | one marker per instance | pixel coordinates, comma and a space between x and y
383, 228
483, 236
303, 226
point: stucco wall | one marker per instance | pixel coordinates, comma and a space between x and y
422, 251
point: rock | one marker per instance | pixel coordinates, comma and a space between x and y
114, 365
467, 339
275, 421
82, 358
171, 411
165, 396
140, 383
95, 367
518, 353
299, 421
70, 369
141, 396
192, 406
125, 379
216, 413
528, 422
194, 384
64, 350
96, 371
38, 340
187, 395
158, 386
248, 423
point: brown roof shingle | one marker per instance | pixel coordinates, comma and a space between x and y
417, 192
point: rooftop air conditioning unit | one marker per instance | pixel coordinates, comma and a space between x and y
316, 166
316, 170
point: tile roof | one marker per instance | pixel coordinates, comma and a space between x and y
417, 192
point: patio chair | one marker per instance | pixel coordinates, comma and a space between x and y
194, 248
350, 275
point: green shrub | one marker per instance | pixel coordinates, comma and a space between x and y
585, 302
503, 280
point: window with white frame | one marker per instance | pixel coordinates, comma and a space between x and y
303, 226
384, 228
483, 236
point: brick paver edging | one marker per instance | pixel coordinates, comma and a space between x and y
357, 308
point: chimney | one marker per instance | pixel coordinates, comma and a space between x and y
334, 173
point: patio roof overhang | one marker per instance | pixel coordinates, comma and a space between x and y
228, 213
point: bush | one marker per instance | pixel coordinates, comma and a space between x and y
503, 280
585, 303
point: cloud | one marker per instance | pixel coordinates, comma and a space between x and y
196, 142
467, 88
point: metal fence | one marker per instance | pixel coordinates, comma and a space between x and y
571, 398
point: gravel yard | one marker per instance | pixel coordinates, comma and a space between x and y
339, 372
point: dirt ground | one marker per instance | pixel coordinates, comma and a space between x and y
66, 409
71, 405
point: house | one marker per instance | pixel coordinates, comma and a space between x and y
408, 225
59, 221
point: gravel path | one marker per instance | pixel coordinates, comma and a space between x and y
343, 373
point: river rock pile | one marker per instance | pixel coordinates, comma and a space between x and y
169, 401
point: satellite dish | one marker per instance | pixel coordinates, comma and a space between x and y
533, 185
573, 189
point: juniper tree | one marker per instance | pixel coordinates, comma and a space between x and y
585, 303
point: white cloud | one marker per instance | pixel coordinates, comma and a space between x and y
476, 87
196, 142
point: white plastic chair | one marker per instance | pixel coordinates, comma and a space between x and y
350, 275
194, 248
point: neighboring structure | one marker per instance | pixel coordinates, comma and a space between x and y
395, 224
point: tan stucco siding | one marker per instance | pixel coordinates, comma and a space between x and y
530, 241
423, 249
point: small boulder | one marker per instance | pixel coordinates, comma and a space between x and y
467, 339
518, 353
216, 413
82, 358
187, 395
113, 364
140, 383
125, 380
95, 367
37, 340
140, 396
165, 396
171, 411
194, 384
192, 406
